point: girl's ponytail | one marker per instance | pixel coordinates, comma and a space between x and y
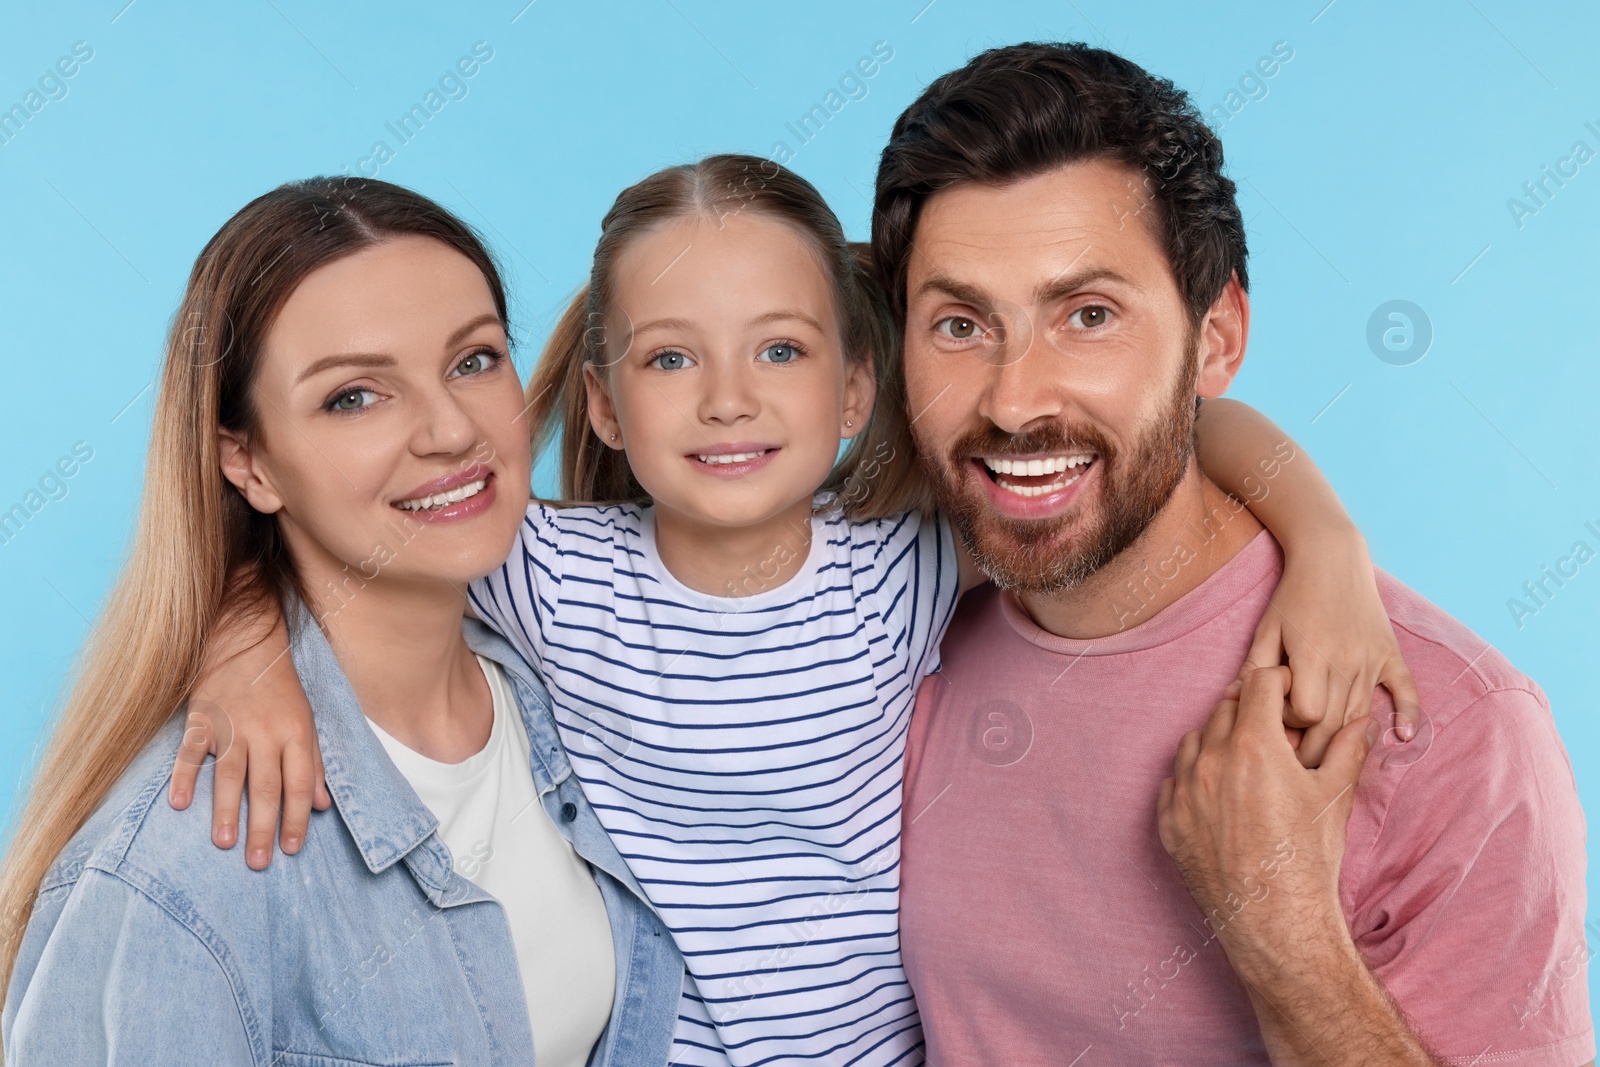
558, 406
878, 476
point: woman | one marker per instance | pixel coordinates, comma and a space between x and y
341, 358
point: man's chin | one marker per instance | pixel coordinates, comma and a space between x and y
1040, 555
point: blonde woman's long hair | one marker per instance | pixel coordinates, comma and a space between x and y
198, 544
877, 477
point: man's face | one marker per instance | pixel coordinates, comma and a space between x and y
1052, 367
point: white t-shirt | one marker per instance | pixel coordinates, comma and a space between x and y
497, 830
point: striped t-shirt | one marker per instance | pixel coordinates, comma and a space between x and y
745, 753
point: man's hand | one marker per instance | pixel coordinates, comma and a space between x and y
1259, 840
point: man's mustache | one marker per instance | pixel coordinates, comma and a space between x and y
990, 440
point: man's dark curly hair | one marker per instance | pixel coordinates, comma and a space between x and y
1015, 112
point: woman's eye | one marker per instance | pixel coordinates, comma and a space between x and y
478, 362
670, 361
958, 327
1090, 315
782, 352
352, 400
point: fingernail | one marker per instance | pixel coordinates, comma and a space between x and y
1407, 729
258, 855
225, 837
1372, 732
291, 843
180, 797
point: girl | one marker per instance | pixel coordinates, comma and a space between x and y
380, 942
732, 621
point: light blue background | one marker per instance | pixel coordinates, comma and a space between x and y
1378, 166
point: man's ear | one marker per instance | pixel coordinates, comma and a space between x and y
1223, 334
602, 412
239, 466
860, 394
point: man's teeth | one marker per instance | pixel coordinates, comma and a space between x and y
439, 500
733, 457
1033, 468
1037, 468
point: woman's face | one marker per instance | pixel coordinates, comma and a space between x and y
390, 442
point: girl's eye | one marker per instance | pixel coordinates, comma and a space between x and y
958, 327
1090, 315
478, 362
669, 361
781, 352
352, 400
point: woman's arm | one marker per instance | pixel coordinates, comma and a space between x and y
249, 710
1325, 618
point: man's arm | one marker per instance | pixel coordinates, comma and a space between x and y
1259, 839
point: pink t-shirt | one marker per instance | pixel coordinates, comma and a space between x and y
1043, 923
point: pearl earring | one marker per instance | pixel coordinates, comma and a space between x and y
848, 424
613, 437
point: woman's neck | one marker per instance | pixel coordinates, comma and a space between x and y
401, 647
734, 561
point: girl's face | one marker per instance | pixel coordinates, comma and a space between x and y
725, 377
390, 443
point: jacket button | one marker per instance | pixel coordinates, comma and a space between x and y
569, 811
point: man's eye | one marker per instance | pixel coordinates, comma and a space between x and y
1090, 315
670, 361
781, 352
958, 327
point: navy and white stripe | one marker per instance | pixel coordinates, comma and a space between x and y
745, 754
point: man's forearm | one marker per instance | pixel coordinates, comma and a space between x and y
1329, 1010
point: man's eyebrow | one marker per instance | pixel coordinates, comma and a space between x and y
1068, 284
380, 360
945, 285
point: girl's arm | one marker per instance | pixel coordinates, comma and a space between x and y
1325, 619
249, 711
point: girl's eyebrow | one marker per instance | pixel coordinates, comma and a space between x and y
787, 315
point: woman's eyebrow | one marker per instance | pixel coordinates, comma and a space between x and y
379, 360
346, 359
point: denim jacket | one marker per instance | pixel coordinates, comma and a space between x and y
148, 944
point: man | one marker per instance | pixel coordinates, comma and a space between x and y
1068, 263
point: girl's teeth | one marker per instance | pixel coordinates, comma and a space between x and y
732, 457
450, 496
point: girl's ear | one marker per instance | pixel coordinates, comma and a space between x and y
239, 466
860, 393
602, 413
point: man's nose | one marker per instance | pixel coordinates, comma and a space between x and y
1022, 383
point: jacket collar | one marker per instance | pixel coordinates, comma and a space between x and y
383, 814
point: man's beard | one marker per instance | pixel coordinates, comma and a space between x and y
1031, 555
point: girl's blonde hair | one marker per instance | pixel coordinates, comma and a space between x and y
198, 544
876, 478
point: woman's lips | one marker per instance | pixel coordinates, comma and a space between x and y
461, 501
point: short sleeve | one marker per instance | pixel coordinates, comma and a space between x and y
1470, 905
905, 573
121, 982
518, 600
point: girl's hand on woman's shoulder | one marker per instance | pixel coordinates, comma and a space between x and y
249, 710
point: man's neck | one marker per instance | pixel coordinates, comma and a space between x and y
1199, 530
